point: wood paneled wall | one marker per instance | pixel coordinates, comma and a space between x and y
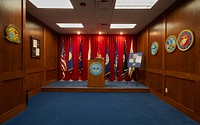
40, 71
12, 90
178, 72
18, 71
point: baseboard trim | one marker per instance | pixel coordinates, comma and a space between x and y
11, 113
190, 113
34, 92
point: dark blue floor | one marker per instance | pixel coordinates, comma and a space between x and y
75, 108
119, 84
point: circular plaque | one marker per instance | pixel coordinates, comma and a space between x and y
96, 68
185, 40
170, 44
154, 48
13, 34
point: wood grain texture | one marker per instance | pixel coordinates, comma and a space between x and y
156, 83
94, 89
182, 61
96, 81
51, 50
34, 30
181, 91
43, 70
179, 71
51, 76
142, 46
11, 55
156, 33
12, 92
34, 81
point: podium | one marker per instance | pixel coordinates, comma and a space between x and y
96, 72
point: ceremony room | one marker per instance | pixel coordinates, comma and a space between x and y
100, 62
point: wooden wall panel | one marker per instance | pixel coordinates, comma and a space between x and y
12, 94
10, 54
37, 31
34, 67
182, 61
142, 76
37, 68
156, 33
34, 81
181, 91
197, 99
156, 83
51, 50
2, 95
142, 46
18, 71
51, 75
179, 71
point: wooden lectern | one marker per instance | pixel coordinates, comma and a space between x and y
96, 72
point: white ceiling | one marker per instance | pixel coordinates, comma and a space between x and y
97, 16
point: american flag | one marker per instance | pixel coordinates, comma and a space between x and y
63, 66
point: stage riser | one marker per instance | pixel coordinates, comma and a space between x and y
93, 90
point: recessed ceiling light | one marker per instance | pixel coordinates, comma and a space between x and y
62, 4
122, 26
70, 25
135, 4
78, 32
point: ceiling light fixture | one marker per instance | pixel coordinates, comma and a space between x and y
122, 26
135, 4
70, 25
58, 4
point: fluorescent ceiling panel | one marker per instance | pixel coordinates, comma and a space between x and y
135, 4
70, 25
122, 26
58, 4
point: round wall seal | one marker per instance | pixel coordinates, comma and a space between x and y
13, 34
185, 40
170, 44
154, 48
96, 68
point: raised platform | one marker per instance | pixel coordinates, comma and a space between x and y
81, 86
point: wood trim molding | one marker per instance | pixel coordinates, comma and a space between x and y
31, 71
181, 75
34, 92
51, 68
176, 105
11, 113
11, 75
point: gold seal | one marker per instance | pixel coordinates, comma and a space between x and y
13, 34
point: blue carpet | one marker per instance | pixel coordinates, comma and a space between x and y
119, 84
98, 109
